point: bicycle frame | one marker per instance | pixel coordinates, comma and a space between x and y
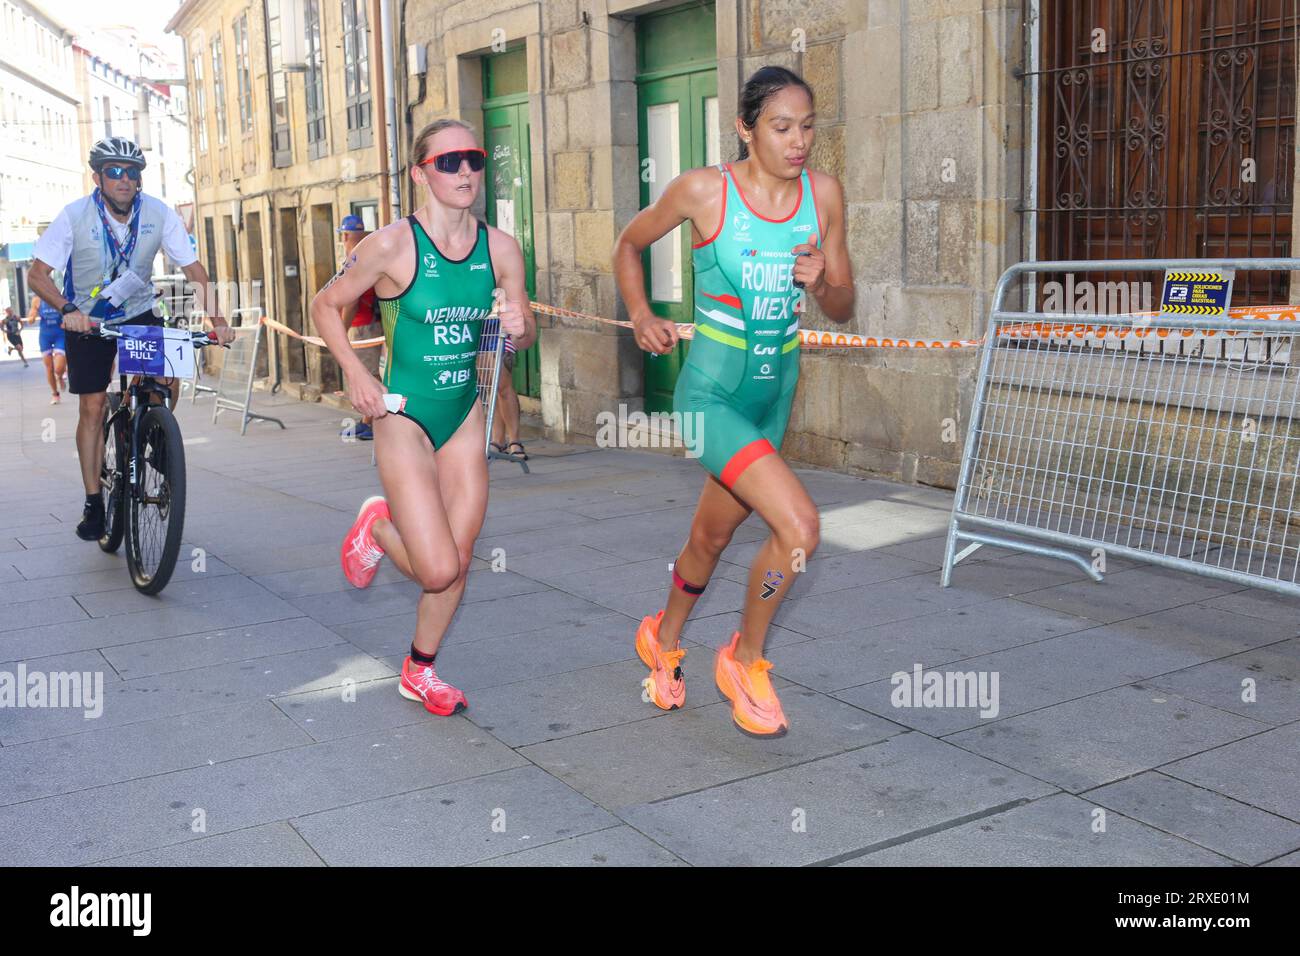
135, 394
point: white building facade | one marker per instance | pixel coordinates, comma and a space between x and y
40, 150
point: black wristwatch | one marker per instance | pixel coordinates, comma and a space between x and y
69, 308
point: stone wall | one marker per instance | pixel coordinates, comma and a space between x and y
919, 116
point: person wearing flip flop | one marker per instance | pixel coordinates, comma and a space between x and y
436, 276
767, 231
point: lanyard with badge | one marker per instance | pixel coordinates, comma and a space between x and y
115, 285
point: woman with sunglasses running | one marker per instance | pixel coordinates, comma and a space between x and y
434, 274
767, 231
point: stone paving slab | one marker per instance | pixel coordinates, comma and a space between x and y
617, 846
1054, 831
51, 610
158, 811
692, 749
193, 590
265, 662
1274, 670
820, 810
206, 688
1104, 737
128, 628
168, 655
838, 612
453, 824
1204, 817
17, 589
563, 705
876, 651
517, 614
372, 705
1035, 676
1260, 771
1129, 593
272, 844
80, 661
94, 757
837, 572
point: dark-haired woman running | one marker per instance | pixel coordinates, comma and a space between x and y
767, 231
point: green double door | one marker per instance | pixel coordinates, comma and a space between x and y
677, 107
508, 183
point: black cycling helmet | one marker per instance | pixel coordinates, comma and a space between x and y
115, 149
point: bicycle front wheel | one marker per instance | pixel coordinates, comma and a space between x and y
156, 505
112, 475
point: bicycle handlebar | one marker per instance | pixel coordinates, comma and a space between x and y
106, 330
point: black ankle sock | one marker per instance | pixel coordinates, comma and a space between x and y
424, 660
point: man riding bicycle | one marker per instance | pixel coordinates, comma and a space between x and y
106, 244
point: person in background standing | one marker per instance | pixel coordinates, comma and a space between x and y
361, 317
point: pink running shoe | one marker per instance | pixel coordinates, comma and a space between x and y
360, 553
424, 684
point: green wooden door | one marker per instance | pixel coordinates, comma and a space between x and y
508, 183
677, 103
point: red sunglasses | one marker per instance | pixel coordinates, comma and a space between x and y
449, 162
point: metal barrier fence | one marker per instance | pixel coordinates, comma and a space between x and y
491, 354
235, 385
1106, 436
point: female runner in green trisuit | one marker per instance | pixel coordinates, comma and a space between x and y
434, 274
766, 231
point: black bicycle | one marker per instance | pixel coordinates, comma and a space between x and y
142, 480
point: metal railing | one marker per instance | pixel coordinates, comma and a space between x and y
1177, 458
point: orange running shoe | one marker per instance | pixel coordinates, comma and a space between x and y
665, 685
361, 553
754, 706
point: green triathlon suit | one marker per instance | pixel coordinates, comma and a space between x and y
736, 386
432, 333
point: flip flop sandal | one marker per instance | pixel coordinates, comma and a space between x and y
499, 449
523, 455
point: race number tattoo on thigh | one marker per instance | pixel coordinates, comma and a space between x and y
772, 581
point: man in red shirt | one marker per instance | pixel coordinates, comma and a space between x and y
361, 318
